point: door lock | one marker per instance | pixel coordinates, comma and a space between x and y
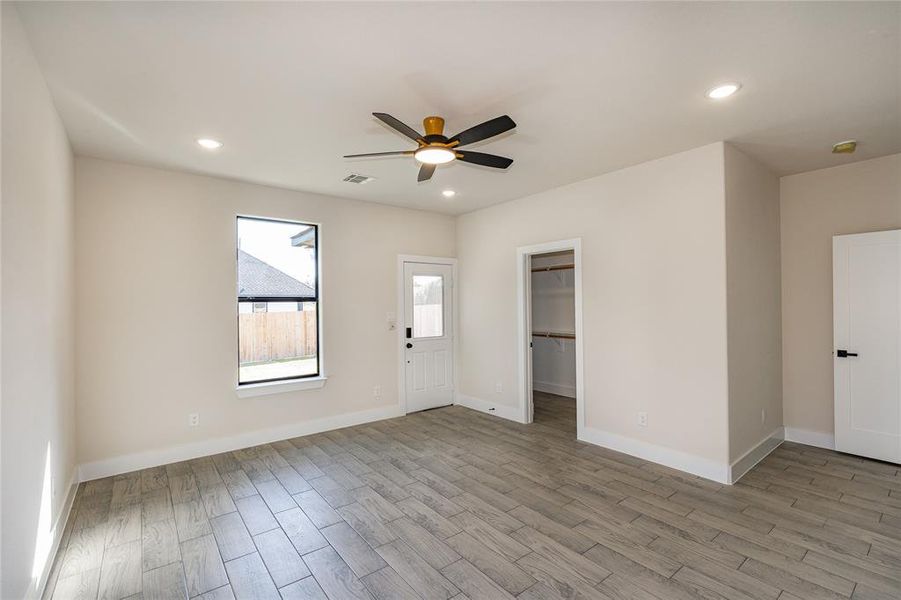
409, 345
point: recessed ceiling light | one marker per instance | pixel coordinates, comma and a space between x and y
209, 143
448, 193
723, 91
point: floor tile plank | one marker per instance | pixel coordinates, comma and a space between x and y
231, 536
358, 555
280, 557
165, 583
204, 570
425, 580
120, 574
159, 544
334, 576
300, 530
250, 580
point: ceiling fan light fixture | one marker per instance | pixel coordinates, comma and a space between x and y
432, 155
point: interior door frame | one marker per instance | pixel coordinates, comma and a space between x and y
524, 325
402, 259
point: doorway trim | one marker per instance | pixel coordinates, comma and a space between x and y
399, 326
524, 323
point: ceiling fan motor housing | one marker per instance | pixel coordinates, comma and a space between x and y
434, 132
433, 126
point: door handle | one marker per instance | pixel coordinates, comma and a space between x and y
409, 345
844, 353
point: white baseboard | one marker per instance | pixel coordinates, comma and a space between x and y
59, 527
164, 456
675, 459
756, 454
559, 389
810, 438
499, 410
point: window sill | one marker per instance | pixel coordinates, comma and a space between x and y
278, 387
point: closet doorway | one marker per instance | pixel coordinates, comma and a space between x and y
554, 340
550, 327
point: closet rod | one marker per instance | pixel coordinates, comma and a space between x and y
548, 334
553, 268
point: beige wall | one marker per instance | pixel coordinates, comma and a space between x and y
856, 198
654, 290
36, 315
156, 325
753, 293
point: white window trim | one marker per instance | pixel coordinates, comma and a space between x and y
249, 390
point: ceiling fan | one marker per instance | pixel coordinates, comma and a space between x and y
436, 149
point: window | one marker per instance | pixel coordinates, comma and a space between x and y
428, 306
278, 300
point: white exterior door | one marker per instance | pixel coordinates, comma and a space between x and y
867, 339
428, 335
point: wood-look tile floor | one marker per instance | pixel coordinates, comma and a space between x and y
452, 503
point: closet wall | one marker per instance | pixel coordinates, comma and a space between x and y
553, 312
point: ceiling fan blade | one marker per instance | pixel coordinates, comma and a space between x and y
425, 172
486, 160
399, 153
398, 126
484, 130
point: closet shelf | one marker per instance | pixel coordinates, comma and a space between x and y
551, 334
553, 268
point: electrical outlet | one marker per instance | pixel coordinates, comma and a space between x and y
643, 419
193, 420
377, 391
763, 416
499, 387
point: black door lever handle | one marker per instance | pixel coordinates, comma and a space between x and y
844, 353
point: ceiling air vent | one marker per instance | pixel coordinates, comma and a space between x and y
354, 178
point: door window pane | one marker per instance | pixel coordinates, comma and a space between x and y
428, 306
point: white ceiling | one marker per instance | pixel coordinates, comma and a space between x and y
593, 87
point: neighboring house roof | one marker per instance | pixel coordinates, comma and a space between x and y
261, 280
306, 238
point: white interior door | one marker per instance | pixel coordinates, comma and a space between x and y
428, 340
867, 338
